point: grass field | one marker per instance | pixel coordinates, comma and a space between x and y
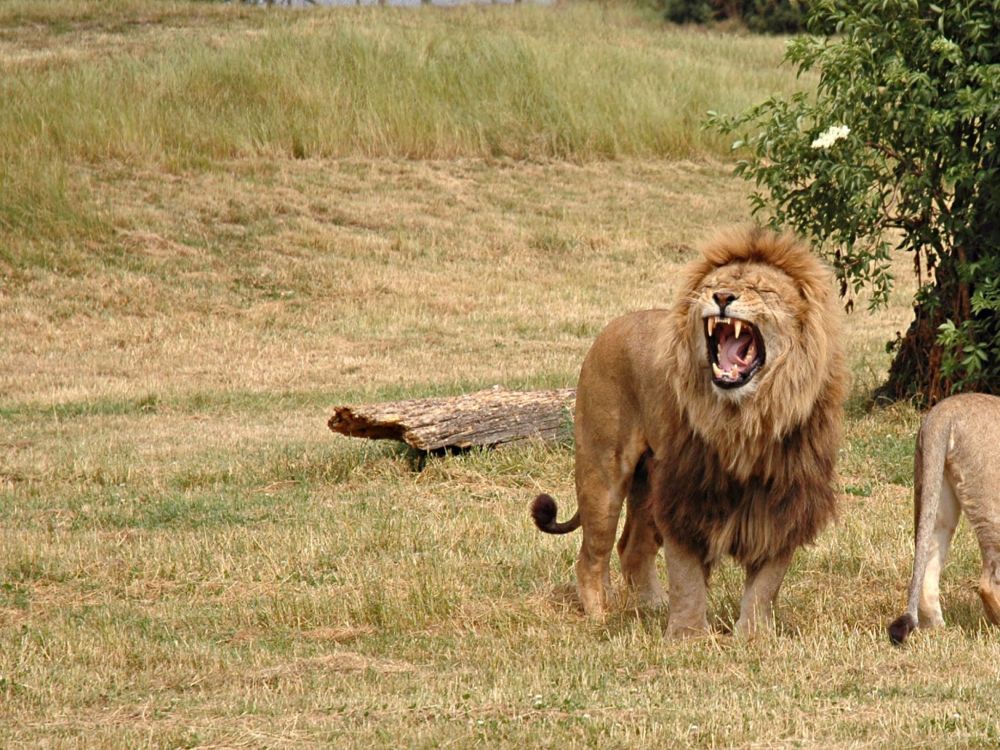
189, 558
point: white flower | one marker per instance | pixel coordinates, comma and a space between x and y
946, 49
831, 135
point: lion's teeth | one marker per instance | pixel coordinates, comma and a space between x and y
716, 370
733, 372
737, 325
711, 324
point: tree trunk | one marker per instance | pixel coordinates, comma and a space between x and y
916, 369
485, 418
915, 372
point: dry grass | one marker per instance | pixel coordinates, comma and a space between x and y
309, 276
188, 558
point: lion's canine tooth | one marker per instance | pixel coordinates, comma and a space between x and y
711, 324
738, 325
716, 370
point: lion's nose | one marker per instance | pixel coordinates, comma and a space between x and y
723, 298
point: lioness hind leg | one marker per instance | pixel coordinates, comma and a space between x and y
989, 592
640, 541
688, 580
759, 593
984, 517
929, 608
989, 582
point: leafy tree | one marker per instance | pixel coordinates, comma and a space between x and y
763, 16
897, 147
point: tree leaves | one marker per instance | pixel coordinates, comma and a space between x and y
915, 88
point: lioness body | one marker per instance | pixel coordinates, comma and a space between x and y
955, 469
719, 419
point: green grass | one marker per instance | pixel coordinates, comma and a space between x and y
189, 558
580, 81
176, 86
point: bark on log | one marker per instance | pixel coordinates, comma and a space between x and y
485, 418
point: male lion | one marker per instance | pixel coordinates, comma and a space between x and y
954, 469
720, 420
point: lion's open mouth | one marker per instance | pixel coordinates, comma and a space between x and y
735, 350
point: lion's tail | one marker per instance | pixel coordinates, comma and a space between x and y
929, 476
544, 511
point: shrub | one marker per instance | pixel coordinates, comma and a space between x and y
898, 146
765, 16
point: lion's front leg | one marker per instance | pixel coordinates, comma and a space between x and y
688, 581
759, 593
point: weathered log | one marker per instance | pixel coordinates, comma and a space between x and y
484, 418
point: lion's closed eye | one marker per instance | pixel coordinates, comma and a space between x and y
772, 299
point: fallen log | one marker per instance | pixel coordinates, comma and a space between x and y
485, 418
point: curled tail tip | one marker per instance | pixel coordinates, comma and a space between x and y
901, 627
543, 511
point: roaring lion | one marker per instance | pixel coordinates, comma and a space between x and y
954, 469
720, 420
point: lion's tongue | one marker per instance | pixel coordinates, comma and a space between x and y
732, 351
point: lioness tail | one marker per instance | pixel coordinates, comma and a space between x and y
544, 511
901, 627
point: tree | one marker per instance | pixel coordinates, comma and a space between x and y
897, 147
763, 16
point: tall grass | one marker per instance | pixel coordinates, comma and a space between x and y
576, 81
523, 82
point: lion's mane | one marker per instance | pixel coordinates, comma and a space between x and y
756, 478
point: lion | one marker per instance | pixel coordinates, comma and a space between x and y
720, 420
953, 470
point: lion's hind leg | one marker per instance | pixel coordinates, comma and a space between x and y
640, 541
593, 564
601, 486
